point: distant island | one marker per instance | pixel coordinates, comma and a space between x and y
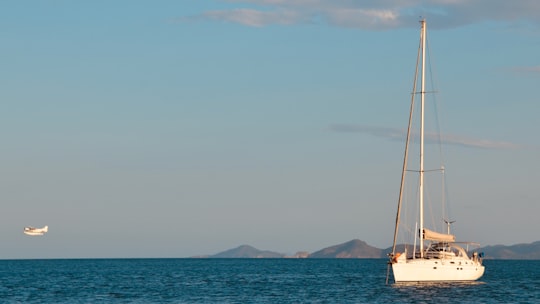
357, 249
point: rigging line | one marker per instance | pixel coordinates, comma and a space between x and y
426, 171
426, 92
448, 211
445, 204
430, 207
408, 214
435, 103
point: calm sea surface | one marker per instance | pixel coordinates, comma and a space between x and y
250, 281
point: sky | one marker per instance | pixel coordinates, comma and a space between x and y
182, 128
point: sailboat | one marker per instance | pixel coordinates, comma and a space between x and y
434, 256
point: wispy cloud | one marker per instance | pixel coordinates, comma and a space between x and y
527, 70
256, 18
374, 14
400, 134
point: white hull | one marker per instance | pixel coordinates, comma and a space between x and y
432, 270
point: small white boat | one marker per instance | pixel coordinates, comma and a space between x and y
35, 231
433, 256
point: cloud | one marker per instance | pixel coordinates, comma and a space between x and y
527, 70
255, 18
374, 14
400, 134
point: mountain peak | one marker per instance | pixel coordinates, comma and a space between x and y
351, 249
246, 251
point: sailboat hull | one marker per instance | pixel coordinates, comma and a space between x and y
433, 270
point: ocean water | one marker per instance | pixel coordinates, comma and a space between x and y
251, 281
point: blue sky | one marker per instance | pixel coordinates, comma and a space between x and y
179, 128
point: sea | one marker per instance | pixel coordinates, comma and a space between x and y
251, 281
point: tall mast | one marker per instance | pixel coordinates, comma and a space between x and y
422, 96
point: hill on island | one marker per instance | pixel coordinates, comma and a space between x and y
357, 249
514, 252
246, 251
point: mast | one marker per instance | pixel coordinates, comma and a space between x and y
422, 96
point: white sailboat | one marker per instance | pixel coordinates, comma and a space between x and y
437, 257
